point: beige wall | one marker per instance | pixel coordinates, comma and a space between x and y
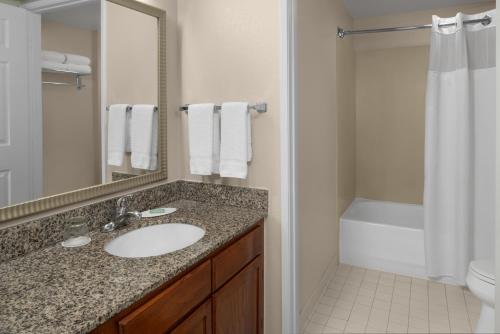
132, 63
230, 50
391, 80
71, 146
390, 112
346, 124
326, 133
174, 130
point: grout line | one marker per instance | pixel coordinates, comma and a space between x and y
373, 300
447, 309
466, 311
355, 298
350, 311
390, 306
428, 307
409, 305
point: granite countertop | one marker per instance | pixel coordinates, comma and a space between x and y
61, 290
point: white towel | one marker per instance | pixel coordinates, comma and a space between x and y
216, 143
53, 56
53, 66
236, 140
128, 146
144, 137
82, 69
77, 59
116, 134
201, 138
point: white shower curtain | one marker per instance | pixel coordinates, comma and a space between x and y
459, 190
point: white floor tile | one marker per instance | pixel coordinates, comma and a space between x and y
360, 300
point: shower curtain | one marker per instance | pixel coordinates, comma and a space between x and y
459, 192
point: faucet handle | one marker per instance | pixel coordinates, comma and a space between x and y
122, 204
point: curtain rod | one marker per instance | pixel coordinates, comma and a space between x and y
342, 33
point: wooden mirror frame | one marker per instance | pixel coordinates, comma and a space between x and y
56, 201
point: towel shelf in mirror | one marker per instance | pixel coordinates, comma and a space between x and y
78, 80
260, 107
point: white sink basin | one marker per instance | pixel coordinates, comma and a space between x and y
154, 240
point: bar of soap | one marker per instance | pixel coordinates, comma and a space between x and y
157, 212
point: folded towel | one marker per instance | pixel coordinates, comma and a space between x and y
81, 69
201, 138
53, 56
236, 139
144, 137
50, 65
76, 59
116, 134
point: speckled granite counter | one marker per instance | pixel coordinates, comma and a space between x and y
59, 290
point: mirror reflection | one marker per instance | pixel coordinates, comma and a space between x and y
132, 68
84, 89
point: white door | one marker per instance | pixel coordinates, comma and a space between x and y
17, 182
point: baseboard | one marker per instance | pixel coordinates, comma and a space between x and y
318, 291
364, 260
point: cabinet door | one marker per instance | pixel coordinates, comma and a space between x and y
161, 312
199, 322
238, 305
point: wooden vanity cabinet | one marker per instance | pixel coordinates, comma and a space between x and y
199, 322
237, 306
163, 310
223, 294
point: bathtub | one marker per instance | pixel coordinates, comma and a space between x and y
384, 236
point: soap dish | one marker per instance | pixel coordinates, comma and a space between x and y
157, 212
76, 242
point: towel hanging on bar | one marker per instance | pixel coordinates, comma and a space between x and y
260, 107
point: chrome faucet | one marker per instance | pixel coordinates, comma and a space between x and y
122, 215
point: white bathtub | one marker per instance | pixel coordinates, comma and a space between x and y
384, 236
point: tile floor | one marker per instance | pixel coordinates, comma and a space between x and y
367, 301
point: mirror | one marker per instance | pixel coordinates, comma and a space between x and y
86, 84
132, 71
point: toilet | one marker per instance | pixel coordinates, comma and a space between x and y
481, 282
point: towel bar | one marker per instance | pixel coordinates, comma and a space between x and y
78, 83
259, 107
78, 78
129, 108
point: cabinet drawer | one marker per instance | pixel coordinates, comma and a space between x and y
232, 259
161, 312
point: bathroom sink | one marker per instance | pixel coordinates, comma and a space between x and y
154, 240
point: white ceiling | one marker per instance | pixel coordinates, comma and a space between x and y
365, 8
85, 15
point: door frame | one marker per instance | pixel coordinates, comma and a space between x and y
497, 200
35, 102
289, 190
